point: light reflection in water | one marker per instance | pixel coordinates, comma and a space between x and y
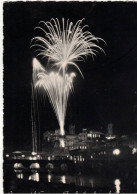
34, 177
63, 179
20, 175
82, 181
117, 185
76, 179
79, 180
91, 182
49, 178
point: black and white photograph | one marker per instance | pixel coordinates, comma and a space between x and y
69, 97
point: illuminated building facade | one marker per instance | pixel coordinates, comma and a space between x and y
95, 135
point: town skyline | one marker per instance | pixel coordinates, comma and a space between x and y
70, 125
108, 91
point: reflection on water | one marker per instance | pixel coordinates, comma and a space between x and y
81, 180
20, 175
117, 185
91, 183
63, 179
34, 177
49, 178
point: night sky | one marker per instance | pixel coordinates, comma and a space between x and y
108, 92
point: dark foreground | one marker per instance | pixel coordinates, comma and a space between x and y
117, 176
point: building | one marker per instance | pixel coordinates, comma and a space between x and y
57, 132
83, 136
71, 141
46, 136
95, 135
71, 129
110, 134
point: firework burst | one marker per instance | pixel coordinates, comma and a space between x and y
65, 44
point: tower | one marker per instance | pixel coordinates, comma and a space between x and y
110, 129
71, 129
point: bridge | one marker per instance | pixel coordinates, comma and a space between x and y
41, 165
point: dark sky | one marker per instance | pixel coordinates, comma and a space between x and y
108, 92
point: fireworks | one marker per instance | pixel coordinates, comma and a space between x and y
63, 45
57, 89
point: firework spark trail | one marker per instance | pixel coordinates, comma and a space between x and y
37, 68
52, 84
